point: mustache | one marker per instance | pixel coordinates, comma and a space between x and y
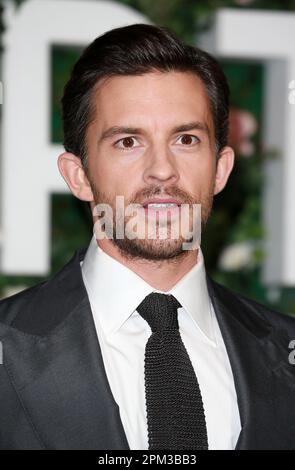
172, 191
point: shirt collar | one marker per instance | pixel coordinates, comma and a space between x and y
115, 291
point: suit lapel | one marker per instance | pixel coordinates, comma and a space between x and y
60, 377
263, 378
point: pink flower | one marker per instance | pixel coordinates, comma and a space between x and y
242, 127
243, 2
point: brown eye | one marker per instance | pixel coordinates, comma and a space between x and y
188, 139
128, 142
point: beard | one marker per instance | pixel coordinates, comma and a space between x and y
156, 248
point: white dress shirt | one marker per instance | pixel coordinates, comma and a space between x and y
114, 293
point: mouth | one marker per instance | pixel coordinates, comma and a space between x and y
153, 206
161, 203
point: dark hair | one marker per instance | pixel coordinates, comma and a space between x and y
135, 50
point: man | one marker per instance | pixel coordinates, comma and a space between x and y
131, 345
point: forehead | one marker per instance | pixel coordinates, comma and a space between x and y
156, 97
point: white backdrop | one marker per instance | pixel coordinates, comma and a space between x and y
269, 37
29, 171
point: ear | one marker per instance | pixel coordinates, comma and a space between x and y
224, 167
72, 171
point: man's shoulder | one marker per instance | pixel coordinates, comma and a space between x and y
40, 307
12, 305
274, 317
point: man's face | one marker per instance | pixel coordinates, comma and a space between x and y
166, 154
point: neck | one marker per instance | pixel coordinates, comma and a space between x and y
161, 275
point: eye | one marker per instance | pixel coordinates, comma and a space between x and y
188, 140
126, 143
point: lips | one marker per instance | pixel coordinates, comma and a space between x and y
160, 201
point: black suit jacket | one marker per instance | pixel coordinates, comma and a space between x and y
54, 392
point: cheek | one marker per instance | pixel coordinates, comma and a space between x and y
115, 181
198, 182
200, 172
101, 170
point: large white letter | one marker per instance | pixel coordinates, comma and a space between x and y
269, 37
29, 170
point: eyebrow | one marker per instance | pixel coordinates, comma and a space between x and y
115, 130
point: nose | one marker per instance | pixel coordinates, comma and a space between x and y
161, 167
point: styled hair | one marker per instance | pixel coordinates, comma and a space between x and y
136, 50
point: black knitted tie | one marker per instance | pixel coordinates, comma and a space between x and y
175, 412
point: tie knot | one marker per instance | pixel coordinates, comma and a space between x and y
160, 311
